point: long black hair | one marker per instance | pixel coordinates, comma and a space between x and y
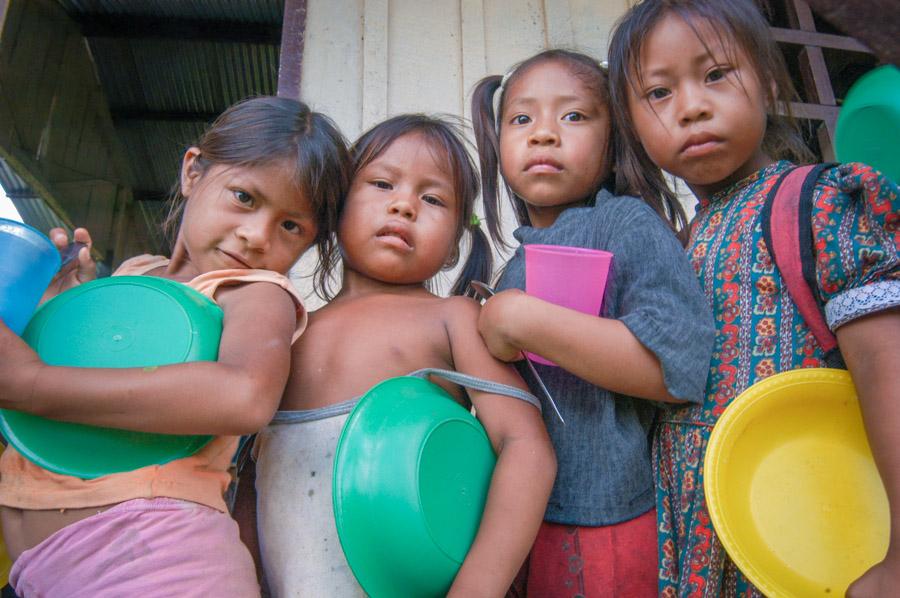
738, 24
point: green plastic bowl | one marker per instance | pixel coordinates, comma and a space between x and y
411, 476
868, 125
118, 322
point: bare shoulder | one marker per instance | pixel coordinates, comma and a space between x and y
459, 311
258, 297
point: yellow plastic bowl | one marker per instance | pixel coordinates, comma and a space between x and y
792, 488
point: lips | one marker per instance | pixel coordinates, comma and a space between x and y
700, 144
236, 259
395, 234
543, 164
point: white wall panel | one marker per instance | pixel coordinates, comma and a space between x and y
366, 60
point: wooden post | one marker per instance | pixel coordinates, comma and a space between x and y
816, 80
290, 61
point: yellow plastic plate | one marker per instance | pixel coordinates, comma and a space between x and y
792, 488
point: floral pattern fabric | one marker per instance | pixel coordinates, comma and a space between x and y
856, 235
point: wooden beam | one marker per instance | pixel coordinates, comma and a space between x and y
814, 111
816, 78
122, 114
821, 40
290, 60
873, 22
128, 27
148, 195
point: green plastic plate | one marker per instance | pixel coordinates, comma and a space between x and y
411, 475
118, 322
868, 125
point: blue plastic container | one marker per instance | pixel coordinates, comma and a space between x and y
28, 262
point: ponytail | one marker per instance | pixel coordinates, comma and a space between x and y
479, 264
487, 141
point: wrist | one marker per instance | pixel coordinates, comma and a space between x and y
517, 330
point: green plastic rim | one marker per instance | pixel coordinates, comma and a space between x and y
118, 322
411, 475
868, 125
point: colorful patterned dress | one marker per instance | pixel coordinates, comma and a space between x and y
856, 228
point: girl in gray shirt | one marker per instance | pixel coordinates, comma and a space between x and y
549, 137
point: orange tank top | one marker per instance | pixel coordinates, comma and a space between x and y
202, 478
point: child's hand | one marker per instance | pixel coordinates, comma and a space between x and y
81, 269
19, 367
501, 321
881, 580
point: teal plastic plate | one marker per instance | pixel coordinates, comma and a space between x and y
411, 475
118, 322
868, 125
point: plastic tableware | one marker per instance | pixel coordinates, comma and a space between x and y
573, 277
791, 486
28, 261
411, 475
118, 322
868, 125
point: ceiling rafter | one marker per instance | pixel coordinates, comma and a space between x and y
207, 30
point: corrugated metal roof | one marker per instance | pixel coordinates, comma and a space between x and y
250, 11
163, 87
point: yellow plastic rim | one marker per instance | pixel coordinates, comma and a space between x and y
791, 486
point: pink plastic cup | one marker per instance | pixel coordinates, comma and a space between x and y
572, 277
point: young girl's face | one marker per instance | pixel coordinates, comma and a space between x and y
553, 140
400, 219
244, 217
699, 108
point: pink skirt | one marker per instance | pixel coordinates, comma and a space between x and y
155, 547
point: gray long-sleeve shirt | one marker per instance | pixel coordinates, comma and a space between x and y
603, 450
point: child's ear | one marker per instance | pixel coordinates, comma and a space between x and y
190, 173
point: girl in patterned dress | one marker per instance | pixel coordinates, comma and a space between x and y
694, 85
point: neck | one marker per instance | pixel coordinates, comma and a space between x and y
545, 216
759, 161
180, 267
356, 284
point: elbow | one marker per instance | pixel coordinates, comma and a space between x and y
254, 405
550, 465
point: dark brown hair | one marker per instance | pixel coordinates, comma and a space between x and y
264, 130
738, 24
485, 123
445, 139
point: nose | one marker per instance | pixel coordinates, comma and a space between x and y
403, 204
543, 133
255, 231
693, 104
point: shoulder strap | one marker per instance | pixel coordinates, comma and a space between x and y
479, 384
787, 229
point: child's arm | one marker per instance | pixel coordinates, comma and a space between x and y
524, 474
235, 395
602, 351
871, 348
659, 344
